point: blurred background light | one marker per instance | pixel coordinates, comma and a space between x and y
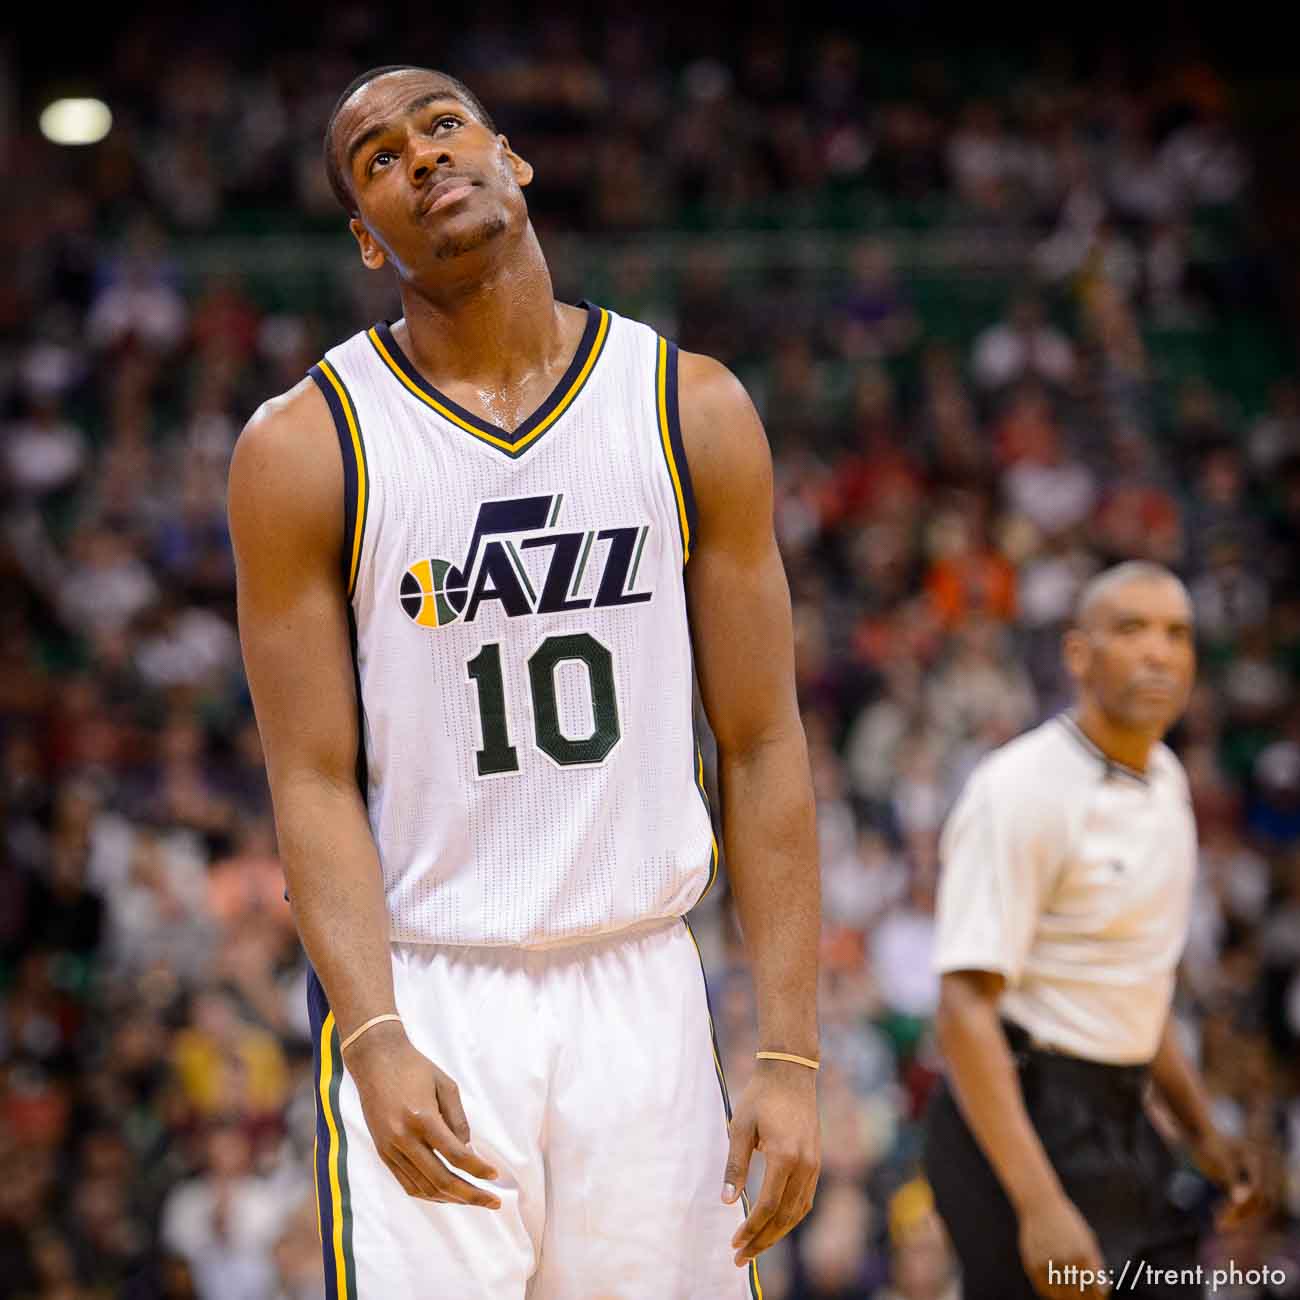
76, 121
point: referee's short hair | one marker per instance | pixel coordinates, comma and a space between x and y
1119, 575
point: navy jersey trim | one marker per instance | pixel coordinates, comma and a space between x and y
515, 443
356, 478
668, 419
675, 436
363, 765
755, 1285
333, 1193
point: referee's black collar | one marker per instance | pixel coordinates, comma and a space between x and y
1110, 764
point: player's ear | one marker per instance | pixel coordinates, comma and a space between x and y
371, 254
523, 171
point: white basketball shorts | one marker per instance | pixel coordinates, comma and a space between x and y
590, 1079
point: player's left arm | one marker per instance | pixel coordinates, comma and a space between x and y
739, 606
1231, 1163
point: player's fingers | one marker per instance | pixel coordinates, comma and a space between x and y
743, 1135
405, 1175
445, 1185
807, 1193
412, 1178
437, 1181
775, 1178
777, 1226
416, 1181
796, 1200
434, 1131
449, 1104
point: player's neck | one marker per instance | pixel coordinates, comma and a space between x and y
492, 326
1120, 744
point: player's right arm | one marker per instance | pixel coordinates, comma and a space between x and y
999, 853
286, 523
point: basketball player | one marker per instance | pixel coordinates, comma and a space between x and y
470, 642
1064, 895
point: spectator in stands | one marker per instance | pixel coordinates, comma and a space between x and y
225, 1222
875, 319
1023, 345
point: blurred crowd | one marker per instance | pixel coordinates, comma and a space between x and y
941, 497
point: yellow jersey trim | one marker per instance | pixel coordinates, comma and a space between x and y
661, 403
713, 839
755, 1285
553, 407
332, 1123
359, 453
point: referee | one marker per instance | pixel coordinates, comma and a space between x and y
1066, 885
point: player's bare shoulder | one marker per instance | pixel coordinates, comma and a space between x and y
726, 448
718, 417
286, 476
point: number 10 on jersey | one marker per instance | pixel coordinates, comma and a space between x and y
485, 670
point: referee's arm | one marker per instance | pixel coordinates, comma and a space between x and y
987, 1088
1232, 1163
995, 873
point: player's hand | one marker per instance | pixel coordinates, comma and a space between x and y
1234, 1165
1055, 1233
777, 1115
414, 1114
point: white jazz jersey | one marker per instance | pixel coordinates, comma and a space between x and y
521, 644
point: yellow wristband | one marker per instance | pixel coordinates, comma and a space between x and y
786, 1056
370, 1024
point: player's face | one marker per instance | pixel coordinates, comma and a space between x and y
1136, 655
431, 182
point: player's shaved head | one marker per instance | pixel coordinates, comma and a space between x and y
1098, 595
335, 168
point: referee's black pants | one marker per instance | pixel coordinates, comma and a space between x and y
1110, 1160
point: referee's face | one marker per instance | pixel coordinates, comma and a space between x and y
1135, 655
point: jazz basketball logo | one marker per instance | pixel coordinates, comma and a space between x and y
520, 562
